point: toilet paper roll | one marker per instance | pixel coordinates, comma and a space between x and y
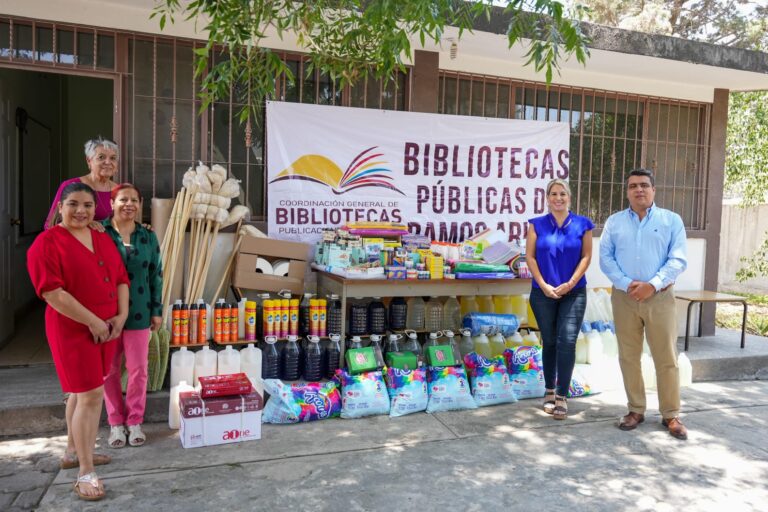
264, 267
281, 267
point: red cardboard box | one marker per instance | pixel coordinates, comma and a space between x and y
219, 420
225, 385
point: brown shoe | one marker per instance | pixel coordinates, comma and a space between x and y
676, 428
631, 421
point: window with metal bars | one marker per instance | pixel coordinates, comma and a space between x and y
166, 135
611, 134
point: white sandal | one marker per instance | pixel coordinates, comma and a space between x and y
116, 436
92, 480
135, 435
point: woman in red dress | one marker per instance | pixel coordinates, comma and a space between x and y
81, 276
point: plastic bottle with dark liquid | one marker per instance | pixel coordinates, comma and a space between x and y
332, 356
270, 368
313, 360
291, 360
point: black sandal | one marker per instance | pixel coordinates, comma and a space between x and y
561, 411
549, 401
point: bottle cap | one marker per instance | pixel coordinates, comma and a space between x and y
270, 339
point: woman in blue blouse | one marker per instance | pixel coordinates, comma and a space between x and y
559, 249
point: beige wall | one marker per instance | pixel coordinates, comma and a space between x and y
743, 230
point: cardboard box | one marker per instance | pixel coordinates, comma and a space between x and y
232, 384
220, 420
251, 249
442, 355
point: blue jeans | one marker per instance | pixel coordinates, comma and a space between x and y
559, 322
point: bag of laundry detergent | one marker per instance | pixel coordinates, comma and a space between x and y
448, 389
489, 379
295, 403
407, 390
364, 394
525, 371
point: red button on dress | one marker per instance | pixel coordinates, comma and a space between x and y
57, 259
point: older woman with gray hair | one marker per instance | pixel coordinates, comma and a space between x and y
101, 156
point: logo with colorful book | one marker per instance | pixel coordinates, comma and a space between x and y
367, 169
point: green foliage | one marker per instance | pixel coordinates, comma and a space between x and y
349, 39
746, 164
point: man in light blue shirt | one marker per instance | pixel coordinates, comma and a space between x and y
643, 251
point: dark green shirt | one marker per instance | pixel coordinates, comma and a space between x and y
142, 261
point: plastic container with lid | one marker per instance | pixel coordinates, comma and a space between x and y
377, 316
358, 317
433, 314
416, 313
398, 314
451, 314
334, 315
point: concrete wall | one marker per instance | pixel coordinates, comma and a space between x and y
743, 230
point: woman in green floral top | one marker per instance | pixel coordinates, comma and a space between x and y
141, 254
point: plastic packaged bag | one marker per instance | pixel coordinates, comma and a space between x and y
448, 389
364, 394
583, 381
407, 391
488, 323
489, 380
295, 403
525, 371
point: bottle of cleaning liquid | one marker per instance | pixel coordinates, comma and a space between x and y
182, 366
411, 343
451, 315
416, 314
502, 305
686, 370
531, 340
514, 340
334, 314
450, 339
229, 361
398, 314
433, 340
358, 317
582, 349
497, 344
466, 345
313, 360
468, 305
433, 314
594, 347
485, 302
355, 342
250, 361
290, 360
174, 419
332, 356
393, 343
610, 343
377, 316
304, 315
482, 345
205, 363
260, 298
376, 344
271, 357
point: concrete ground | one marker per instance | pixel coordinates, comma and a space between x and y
511, 456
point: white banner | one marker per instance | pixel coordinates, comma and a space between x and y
447, 177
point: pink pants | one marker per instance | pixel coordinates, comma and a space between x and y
135, 345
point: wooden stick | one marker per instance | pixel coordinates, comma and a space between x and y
208, 257
169, 231
179, 235
202, 250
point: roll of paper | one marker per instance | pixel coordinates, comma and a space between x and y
280, 267
264, 267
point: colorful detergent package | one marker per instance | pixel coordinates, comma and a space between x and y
448, 389
364, 394
296, 403
490, 382
407, 390
526, 372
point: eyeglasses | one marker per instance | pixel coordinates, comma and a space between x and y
644, 186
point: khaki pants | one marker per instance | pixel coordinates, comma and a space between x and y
657, 318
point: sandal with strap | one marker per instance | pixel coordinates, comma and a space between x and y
92, 480
135, 435
561, 408
549, 401
116, 436
70, 460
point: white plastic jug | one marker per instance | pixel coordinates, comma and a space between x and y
594, 347
250, 361
686, 370
497, 344
514, 340
531, 340
205, 363
649, 371
582, 349
482, 346
610, 343
229, 361
182, 366
173, 403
